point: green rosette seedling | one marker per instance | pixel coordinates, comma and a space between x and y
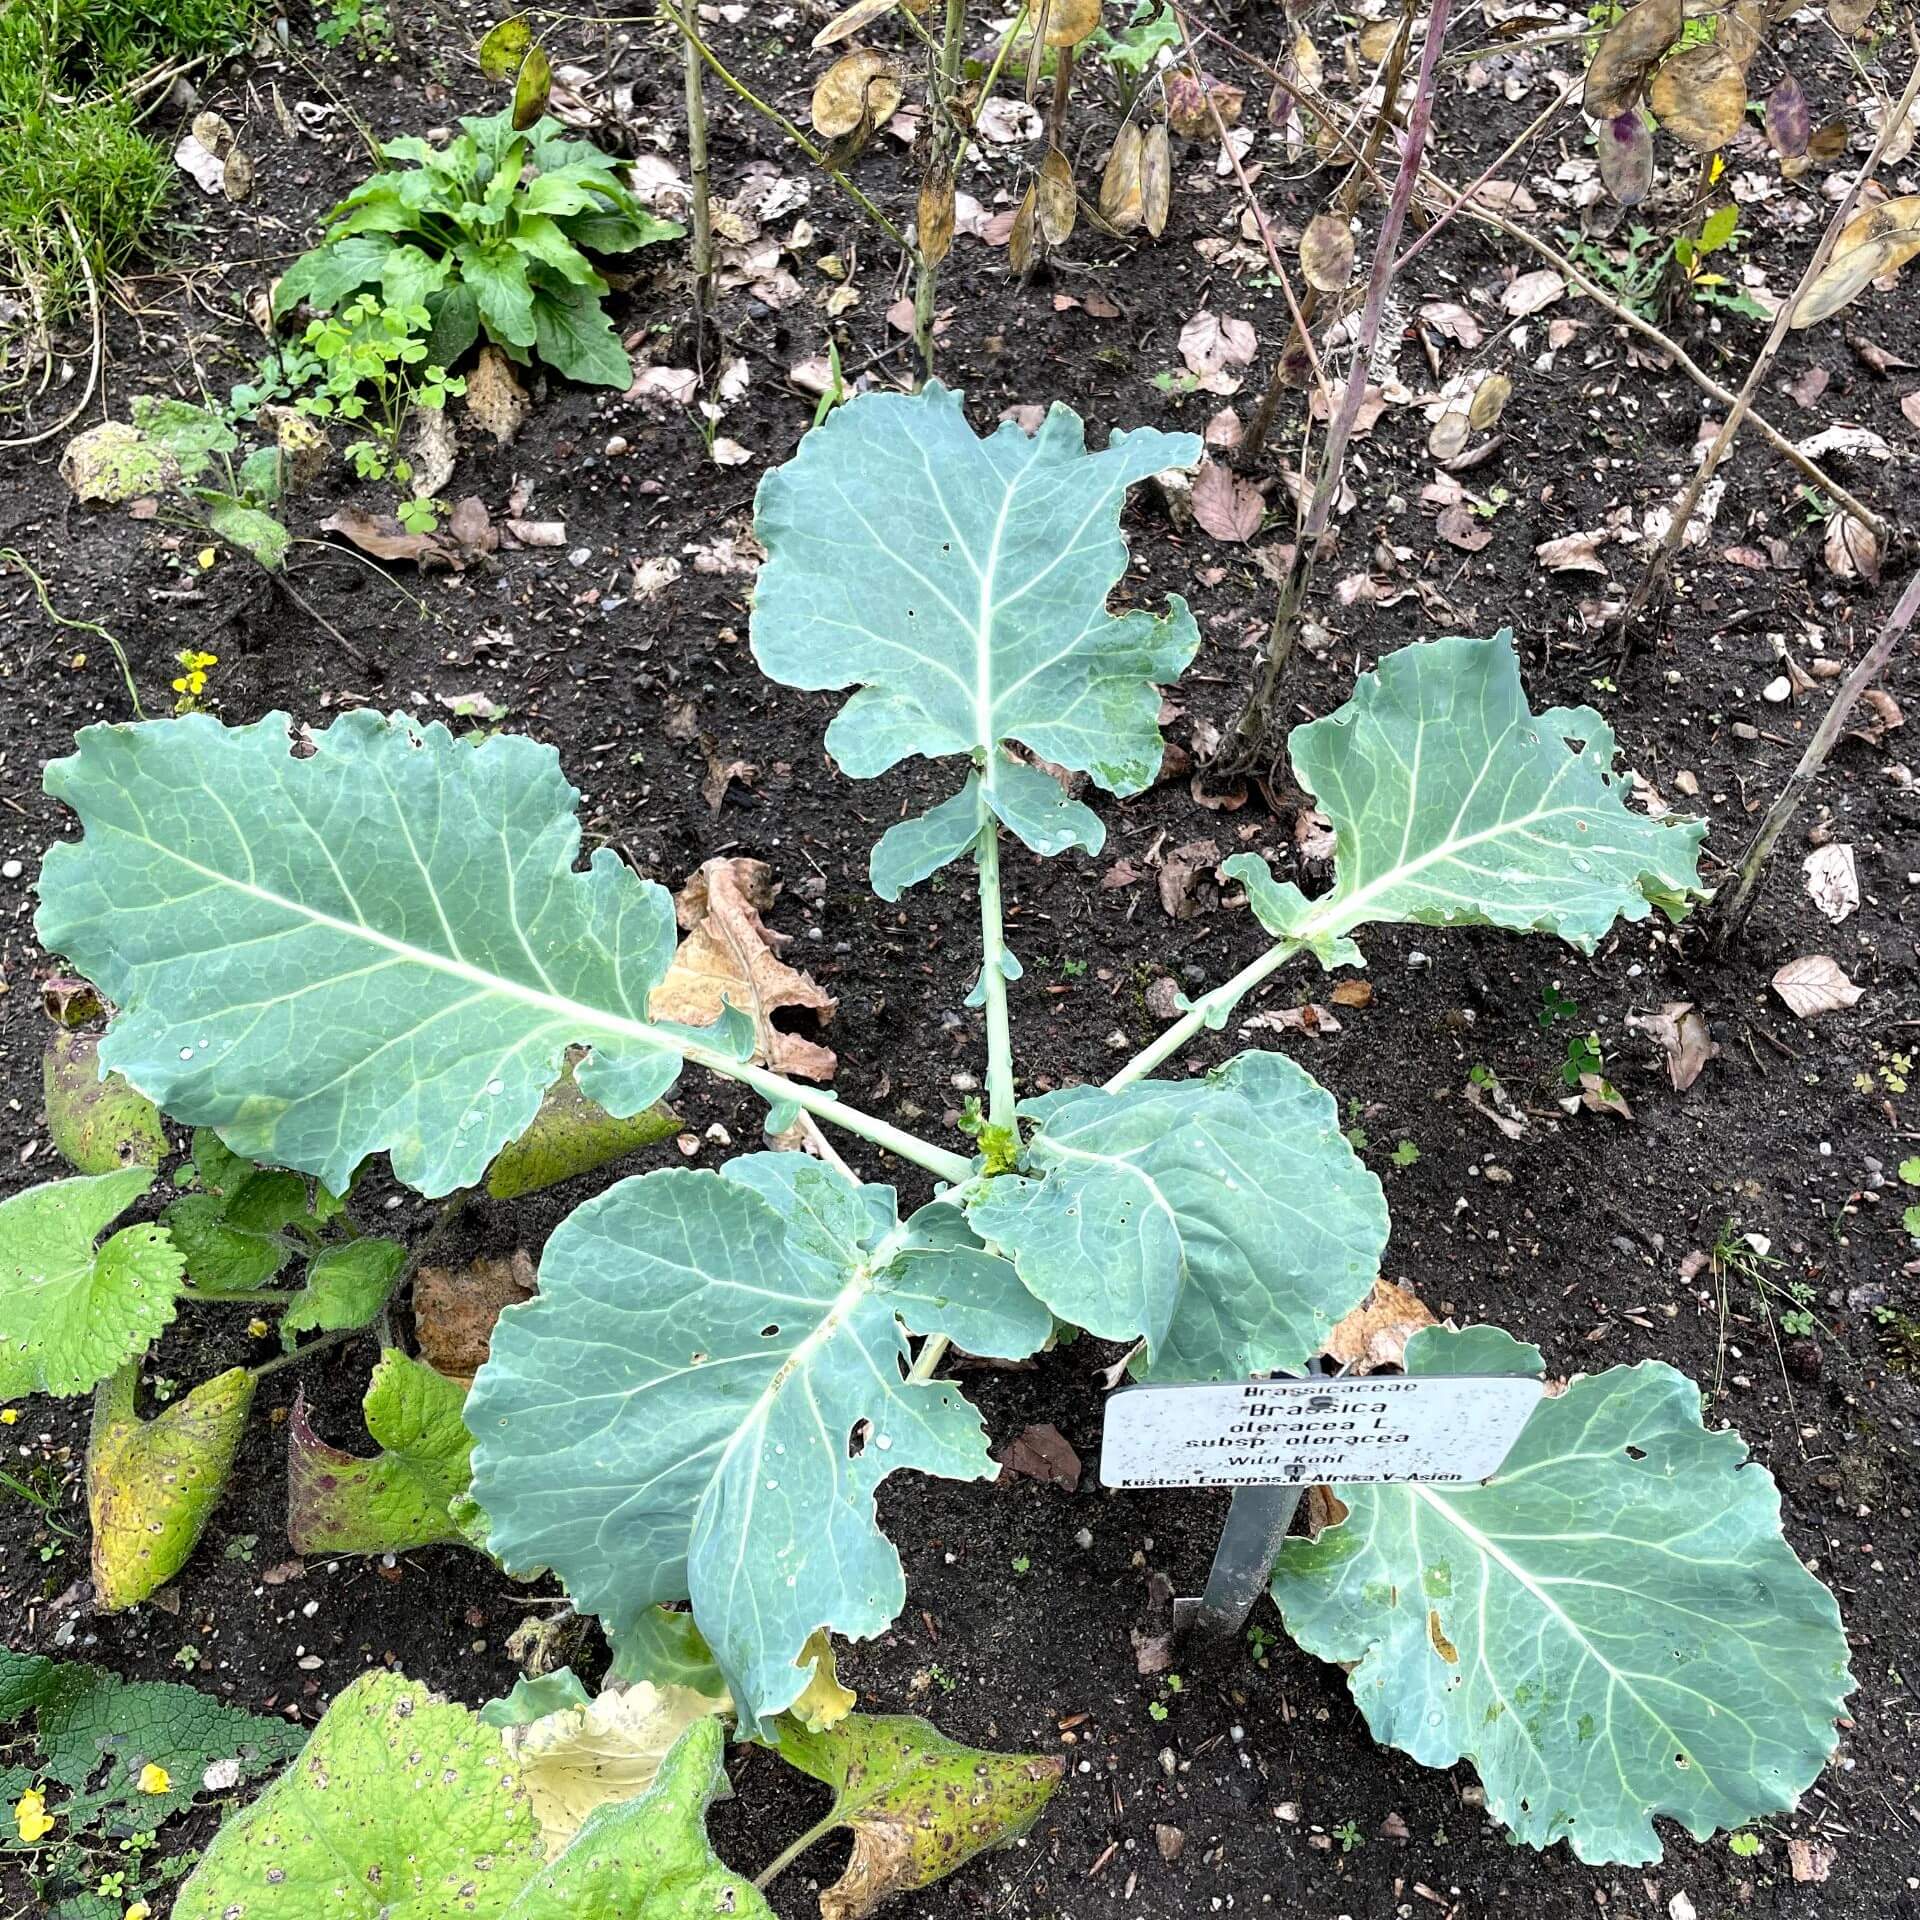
720, 1368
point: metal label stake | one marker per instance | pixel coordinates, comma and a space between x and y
1257, 1522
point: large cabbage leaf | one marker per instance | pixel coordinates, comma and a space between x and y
962, 585
709, 1386
1610, 1628
384, 945
1454, 804
1226, 1221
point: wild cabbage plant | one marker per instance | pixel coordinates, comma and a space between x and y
386, 945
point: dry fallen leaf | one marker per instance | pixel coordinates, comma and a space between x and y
1810, 1861
1041, 1453
730, 957
454, 1309
1376, 1332
1680, 1030
467, 534
1832, 883
496, 401
1225, 505
1573, 553
1312, 1019
1210, 342
1532, 291
1815, 984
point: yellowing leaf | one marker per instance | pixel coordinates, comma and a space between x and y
1070, 21
825, 1703
1326, 253
30, 1816
585, 1757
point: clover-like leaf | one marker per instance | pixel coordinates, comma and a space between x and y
70, 1311
340, 1503
705, 1392
1226, 1221
152, 1485
962, 585
384, 945
1610, 1628
1454, 805
918, 1804
405, 1804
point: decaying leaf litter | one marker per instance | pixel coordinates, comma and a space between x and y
1384, 569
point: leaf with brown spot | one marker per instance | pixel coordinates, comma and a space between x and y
1376, 1332
454, 1309
1070, 21
731, 957
918, 1804
1700, 96
1326, 253
1627, 53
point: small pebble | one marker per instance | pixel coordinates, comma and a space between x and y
1776, 692
11, 870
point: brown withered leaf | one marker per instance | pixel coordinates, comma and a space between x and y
731, 957
1376, 1332
1627, 53
1700, 96
1156, 179
720, 776
1459, 526
467, 535
859, 92
1122, 186
1020, 242
1070, 21
454, 1309
1353, 993
1679, 1029
1878, 241
844, 25
496, 401
1041, 1453
1180, 871
1815, 984
1187, 110
1227, 506
1326, 253
933, 218
1055, 199
1849, 18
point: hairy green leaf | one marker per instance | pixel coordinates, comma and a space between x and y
962, 585
918, 1804
1224, 1221
403, 1804
1610, 1628
383, 946
346, 1286
71, 1312
96, 1733
675, 1413
1454, 805
339, 1503
152, 1485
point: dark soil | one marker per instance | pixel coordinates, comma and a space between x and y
1015, 1633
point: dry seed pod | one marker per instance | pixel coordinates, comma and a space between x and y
1850, 17
1056, 200
934, 216
1070, 21
1449, 435
237, 180
1121, 188
1156, 179
1879, 241
843, 26
1625, 148
1376, 37
1789, 124
1628, 51
1020, 248
1489, 401
1700, 97
1326, 253
861, 89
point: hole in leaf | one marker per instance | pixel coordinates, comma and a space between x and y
857, 1438
767, 1332
1636, 1453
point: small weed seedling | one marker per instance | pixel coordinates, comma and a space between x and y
720, 1368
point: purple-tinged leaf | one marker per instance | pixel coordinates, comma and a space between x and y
1626, 157
1788, 121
